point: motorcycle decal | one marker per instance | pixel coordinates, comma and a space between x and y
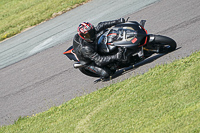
134, 40
92, 70
70, 54
69, 51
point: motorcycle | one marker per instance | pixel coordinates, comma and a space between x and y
131, 36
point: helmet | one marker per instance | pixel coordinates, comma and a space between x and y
86, 31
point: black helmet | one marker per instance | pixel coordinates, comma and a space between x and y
86, 31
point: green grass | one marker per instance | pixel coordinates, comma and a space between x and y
165, 99
17, 15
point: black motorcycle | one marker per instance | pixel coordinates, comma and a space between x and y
131, 36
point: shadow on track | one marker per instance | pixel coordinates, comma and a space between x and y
130, 68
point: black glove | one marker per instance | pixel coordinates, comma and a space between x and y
121, 20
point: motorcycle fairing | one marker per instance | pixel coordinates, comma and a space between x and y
130, 35
141, 34
70, 54
146, 38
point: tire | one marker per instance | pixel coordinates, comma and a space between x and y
164, 43
88, 73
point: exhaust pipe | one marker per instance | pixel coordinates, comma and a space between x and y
77, 65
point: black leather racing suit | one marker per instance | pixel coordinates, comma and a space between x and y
87, 51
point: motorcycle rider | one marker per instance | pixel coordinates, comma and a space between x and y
85, 47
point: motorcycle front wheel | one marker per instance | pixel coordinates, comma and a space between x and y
164, 44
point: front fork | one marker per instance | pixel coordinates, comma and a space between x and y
149, 46
141, 53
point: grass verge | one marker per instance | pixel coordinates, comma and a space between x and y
17, 15
165, 99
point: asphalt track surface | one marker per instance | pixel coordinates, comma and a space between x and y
48, 79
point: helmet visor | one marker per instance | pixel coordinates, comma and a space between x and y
89, 36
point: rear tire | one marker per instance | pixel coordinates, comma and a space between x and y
88, 73
164, 43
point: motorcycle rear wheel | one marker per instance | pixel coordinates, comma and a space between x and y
88, 73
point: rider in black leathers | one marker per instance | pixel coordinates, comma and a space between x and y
85, 47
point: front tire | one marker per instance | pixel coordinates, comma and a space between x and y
165, 44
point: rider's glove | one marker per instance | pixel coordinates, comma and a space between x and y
121, 20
